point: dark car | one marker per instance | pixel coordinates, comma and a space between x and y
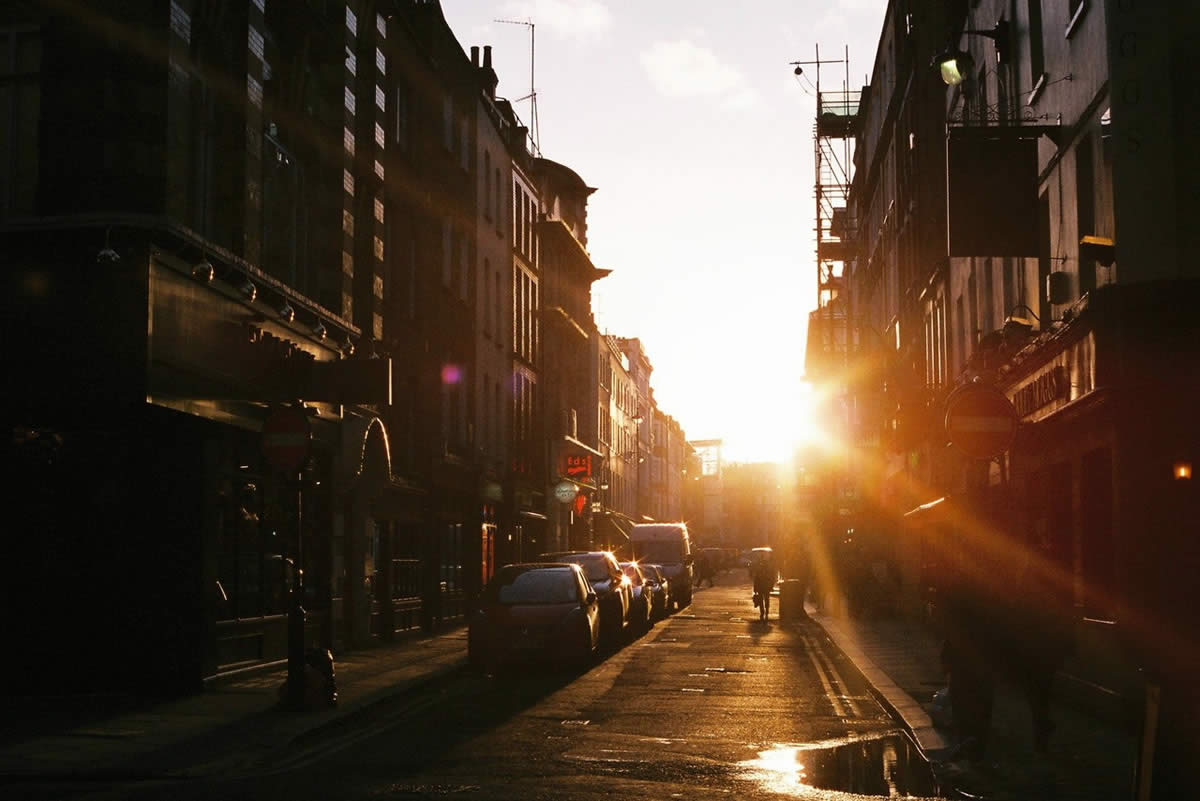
659, 588
611, 585
639, 613
535, 612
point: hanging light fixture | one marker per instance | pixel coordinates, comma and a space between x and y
957, 65
203, 271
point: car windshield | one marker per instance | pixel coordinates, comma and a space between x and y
658, 550
539, 587
595, 566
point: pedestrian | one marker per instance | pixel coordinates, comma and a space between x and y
703, 569
764, 575
1040, 638
968, 656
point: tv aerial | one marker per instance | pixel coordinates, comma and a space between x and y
532, 96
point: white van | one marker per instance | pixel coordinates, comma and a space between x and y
666, 544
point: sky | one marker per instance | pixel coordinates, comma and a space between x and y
688, 119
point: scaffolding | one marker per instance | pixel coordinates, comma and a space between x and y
833, 147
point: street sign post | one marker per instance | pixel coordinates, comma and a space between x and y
286, 438
980, 421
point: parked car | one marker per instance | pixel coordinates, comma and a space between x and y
659, 588
668, 545
612, 587
639, 613
535, 612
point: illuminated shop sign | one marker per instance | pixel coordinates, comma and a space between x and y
577, 466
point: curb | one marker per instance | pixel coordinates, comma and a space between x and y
899, 704
249, 741
323, 725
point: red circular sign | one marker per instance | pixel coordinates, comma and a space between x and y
980, 421
286, 437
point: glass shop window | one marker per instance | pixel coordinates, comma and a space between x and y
452, 557
254, 569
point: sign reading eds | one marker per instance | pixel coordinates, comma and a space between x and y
577, 466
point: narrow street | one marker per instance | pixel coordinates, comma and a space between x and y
709, 703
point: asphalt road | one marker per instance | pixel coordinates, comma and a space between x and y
710, 703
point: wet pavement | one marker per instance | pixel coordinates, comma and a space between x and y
710, 703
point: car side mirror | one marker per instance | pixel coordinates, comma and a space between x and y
589, 599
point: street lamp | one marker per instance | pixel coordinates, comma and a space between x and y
956, 65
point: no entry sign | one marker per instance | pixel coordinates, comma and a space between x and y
980, 421
286, 437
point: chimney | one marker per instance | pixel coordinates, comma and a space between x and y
488, 75
475, 55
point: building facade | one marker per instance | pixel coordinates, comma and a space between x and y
573, 459
1020, 250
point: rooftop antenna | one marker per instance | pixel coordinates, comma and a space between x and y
532, 96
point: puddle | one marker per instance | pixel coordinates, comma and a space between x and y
887, 766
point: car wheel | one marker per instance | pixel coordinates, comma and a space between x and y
583, 650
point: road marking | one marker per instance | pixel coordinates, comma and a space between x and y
854, 708
838, 709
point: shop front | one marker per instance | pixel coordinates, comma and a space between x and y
165, 541
1099, 502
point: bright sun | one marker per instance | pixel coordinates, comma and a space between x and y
777, 424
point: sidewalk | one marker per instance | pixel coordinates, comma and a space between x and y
1089, 758
233, 725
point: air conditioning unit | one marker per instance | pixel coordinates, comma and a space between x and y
570, 423
1058, 287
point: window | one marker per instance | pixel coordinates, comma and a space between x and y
20, 117
1085, 207
467, 290
485, 419
487, 298
1037, 57
447, 253
1096, 496
411, 279
988, 319
1075, 11
499, 421
452, 557
973, 301
499, 202
498, 304
464, 144
488, 195
1006, 276
400, 117
460, 266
